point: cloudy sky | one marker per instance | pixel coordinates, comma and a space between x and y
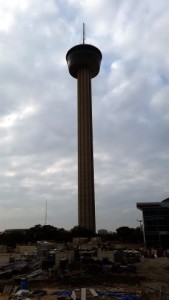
38, 113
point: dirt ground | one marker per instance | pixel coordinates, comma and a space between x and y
151, 279
154, 270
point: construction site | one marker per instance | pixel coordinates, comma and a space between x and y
51, 271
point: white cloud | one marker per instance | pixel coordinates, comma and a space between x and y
6, 21
160, 103
11, 119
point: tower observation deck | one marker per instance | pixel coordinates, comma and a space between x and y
84, 64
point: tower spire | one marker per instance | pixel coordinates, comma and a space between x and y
84, 33
46, 212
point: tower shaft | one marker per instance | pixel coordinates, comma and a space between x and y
86, 195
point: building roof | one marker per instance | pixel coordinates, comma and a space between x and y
166, 200
143, 205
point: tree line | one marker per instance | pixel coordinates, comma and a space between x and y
50, 233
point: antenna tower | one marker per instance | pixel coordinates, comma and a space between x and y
46, 213
84, 33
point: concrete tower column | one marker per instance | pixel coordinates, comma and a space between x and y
84, 63
86, 197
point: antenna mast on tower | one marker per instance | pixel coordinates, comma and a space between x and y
46, 213
84, 33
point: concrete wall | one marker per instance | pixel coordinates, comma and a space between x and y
105, 254
96, 240
4, 259
26, 250
3, 249
61, 255
80, 240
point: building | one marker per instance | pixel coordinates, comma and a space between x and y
155, 223
16, 230
84, 64
102, 231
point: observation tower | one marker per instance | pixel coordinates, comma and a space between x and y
84, 64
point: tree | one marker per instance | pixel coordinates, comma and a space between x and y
131, 235
78, 231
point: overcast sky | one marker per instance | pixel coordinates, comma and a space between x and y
38, 109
